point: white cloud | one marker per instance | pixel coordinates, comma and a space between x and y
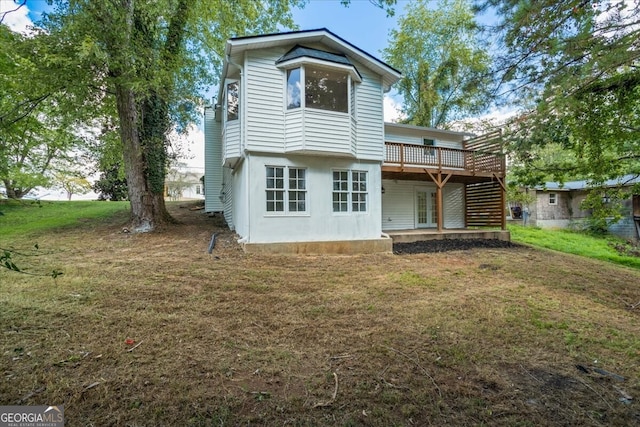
616, 18
17, 20
190, 147
392, 109
500, 115
493, 119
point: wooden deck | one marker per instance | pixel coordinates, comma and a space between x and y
479, 164
481, 158
417, 235
411, 158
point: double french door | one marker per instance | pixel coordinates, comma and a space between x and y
426, 215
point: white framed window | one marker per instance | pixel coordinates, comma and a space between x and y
233, 100
320, 88
286, 195
326, 89
358, 191
350, 191
553, 198
341, 191
429, 143
294, 89
275, 189
297, 190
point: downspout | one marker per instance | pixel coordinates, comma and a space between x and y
243, 122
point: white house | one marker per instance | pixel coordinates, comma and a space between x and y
299, 159
183, 183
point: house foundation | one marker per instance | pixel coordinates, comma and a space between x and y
410, 236
342, 247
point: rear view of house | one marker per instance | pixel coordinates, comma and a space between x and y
299, 159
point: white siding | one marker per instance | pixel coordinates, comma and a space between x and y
294, 133
319, 223
265, 93
370, 116
412, 138
327, 131
240, 199
269, 128
398, 204
448, 144
354, 135
226, 194
212, 161
231, 139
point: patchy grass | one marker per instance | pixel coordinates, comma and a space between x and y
571, 242
474, 337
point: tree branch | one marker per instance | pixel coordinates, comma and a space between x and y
4, 14
34, 102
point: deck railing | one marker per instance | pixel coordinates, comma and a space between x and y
412, 155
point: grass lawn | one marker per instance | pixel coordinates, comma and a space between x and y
30, 216
150, 330
602, 248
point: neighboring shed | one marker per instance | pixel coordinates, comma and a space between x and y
559, 206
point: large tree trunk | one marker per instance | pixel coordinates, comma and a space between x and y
147, 203
14, 192
144, 117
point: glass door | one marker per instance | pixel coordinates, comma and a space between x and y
426, 213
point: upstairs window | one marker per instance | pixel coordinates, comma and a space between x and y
293, 89
320, 88
326, 90
233, 100
429, 144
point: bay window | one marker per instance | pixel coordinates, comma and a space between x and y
326, 90
321, 88
293, 88
233, 100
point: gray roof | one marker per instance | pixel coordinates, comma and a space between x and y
302, 51
626, 180
317, 31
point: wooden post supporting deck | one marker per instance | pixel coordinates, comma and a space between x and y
440, 182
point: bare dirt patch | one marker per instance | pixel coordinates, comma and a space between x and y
480, 336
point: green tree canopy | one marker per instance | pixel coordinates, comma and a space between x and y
150, 61
573, 66
35, 127
445, 68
